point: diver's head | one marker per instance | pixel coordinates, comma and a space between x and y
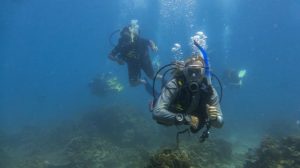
194, 72
128, 34
125, 33
131, 32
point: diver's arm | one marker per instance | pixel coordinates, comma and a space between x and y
160, 112
153, 46
114, 52
214, 102
114, 55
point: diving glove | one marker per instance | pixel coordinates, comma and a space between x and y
212, 112
194, 122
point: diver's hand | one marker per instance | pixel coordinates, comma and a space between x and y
120, 62
153, 46
116, 59
212, 112
112, 57
192, 120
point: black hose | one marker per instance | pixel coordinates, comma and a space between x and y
220, 84
165, 73
111, 35
154, 79
205, 133
177, 136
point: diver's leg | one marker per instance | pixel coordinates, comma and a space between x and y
134, 73
148, 69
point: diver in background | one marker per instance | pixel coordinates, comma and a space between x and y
105, 84
234, 78
188, 98
133, 50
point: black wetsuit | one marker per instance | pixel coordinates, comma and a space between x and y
136, 55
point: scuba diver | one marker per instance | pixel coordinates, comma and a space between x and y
189, 97
234, 78
105, 84
133, 50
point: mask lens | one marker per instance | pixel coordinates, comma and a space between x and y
194, 72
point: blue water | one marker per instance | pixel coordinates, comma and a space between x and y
50, 50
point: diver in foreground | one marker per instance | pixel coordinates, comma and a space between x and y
189, 97
133, 50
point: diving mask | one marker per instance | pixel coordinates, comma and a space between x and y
194, 74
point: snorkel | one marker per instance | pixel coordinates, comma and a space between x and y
207, 66
205, 133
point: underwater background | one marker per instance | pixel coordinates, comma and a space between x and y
50, 50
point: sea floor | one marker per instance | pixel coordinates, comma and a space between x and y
131, 141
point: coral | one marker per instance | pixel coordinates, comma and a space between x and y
169, 158
284, 152
213, 153
108, 137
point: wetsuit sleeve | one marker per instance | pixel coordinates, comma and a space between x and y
152, 45
214, 101
114, 52
160, 112
149, 43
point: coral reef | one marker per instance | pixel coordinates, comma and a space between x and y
168, 158
105, 137
214, 153
273, 152
115, 136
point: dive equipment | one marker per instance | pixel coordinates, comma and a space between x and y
111, 35
205, 133
179, 117
194, 87
207, 66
